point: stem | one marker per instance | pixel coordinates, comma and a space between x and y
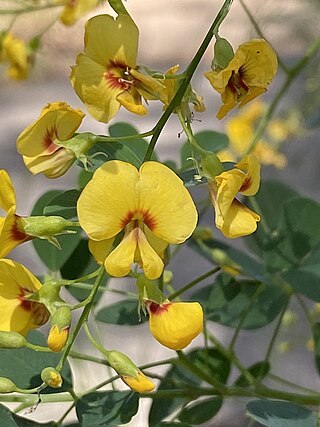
30, 9
223, 12
193, 283
83, 318
106, 138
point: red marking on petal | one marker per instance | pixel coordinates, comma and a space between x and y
117, 75
246, 185
16, 234
158, 309
48, 139
149, 220
24, 303
145, 216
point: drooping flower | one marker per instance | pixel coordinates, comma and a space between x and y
129, 372
175, 324
106, 75
41, 143
15, 52
75, 9
248, 75
131, 216
17, 312
232, 217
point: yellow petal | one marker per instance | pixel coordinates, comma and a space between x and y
175, 325
108, 39
57, 121
240, 132
15, 52
105, 204
75, 10
251, 167
151, 262
239, 221
11, 233
100, 249
7, 195
57, 338
131, 100
228, 185
118, 263
140, 383
52, 166
149, 87
173, 215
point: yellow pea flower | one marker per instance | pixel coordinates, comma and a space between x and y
75, 9
232, 217
175, 324
14, 51
41, 143
17, 312
151, 206
106, 75
247, 75
51, 377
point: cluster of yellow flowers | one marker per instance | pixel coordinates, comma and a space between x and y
129, 215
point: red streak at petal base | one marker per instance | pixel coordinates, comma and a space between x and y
158, 309
16, 234
24, 303
115, 75
48, 139
149, 220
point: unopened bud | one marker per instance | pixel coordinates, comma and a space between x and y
59, 331
12, 340
129, 372
223, 53
7, 386
51, 377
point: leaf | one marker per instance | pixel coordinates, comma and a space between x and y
121, 313
305, 280
108, 408
208, 140
259, 371
201, 411
226, 300
9, 419
23, 366
53, 257
211, 361
276, 413
64, 204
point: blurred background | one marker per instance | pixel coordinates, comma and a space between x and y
170, 33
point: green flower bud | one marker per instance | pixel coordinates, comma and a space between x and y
51, 377
12, 340
211, 165
7, 386
223, 53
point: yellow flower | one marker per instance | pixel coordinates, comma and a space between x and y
247, 75
57, 338
51, 377
41, 143
106, 75
129, 372
151, 206
75, 9
11, 227
175, 324
17, 312
232, 217
14, 51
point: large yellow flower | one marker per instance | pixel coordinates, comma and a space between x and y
41, 143
75, 9
232, 217
14, 51
11, 228
17, 313
106, 75
175, 324
151, 206
248, 75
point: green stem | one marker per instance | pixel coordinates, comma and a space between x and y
118, 7
223, 12
291, 384
38, 348
105, 138
292, 73
193, 283
94, 342
30, 9
83, 318
188, 131
256, 208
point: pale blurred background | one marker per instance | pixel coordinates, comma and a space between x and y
170, 33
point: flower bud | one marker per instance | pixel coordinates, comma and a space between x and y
129, 372
211, 165
59, 331
51, 377
7, 386
175, 324
12, 340
223, 53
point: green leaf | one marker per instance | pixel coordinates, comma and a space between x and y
276, 413
23, 366
208, 140
201, 411
53, 257
226, 300
316, 339
9, 419
210, 361
174, 424
305, 280
64, 204
108, 408
259, 371
121, 313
